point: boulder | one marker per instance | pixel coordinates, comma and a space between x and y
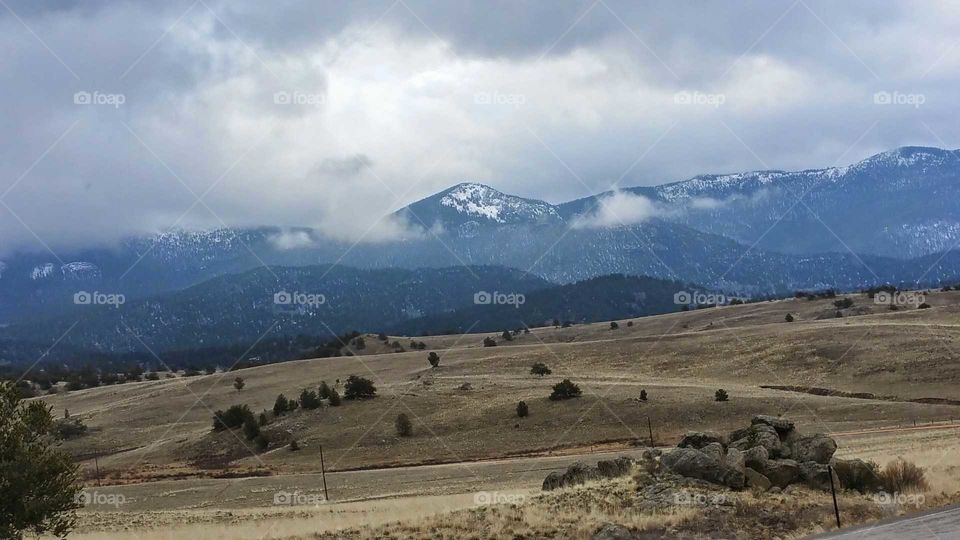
612, 468
699, 439
553, 481
579, 473
782, 425
815, 475
781, 472
735, 458
759, 435
693, 463
817, 447
611, 531
756, 480
755, 458
863, 476
714, 450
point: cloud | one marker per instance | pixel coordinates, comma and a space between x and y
619, 209
295, 114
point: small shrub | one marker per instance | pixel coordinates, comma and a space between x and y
434, 359
233, 417
614, 325
250, 428
334, 398
68, 428
522, 409
263, 419
359, 388
788, 318
281, 405
721, 395
853, 476
629, 324
309, 399
152, 376
506, 335
294, 446
324, 391
902, 476
643, 395
403, 425
540, 369
238, 383
924, 306
261, 442
843, 303
489, 342
565, 389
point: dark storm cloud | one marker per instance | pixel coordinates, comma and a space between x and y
329, 113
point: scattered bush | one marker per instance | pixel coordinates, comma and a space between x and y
614, 325
294, 446
901, 476
238, 383
788, 318
643, 395
152, 376
629, 323
359, 388
334, 398
489, 342
403, 425
69, 428
540, 369
843, 303
434, 359
522, 409
324, 391
565, 389
721, 395
506, 335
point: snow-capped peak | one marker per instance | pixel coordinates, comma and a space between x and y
478, 200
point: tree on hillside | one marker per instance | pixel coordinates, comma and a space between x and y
643, 394
359, 388
788, 318
403, 425
281, 405
334, 398
238, 383
250, 428
540, 369
39, 485
434, 359
565, 389
506, 336
233, 417
614, 325
721, 395
309, 399
522, 409
489, 342
324, 391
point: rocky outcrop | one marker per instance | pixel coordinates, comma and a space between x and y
581, 473
612, 468
770, 453
612, 531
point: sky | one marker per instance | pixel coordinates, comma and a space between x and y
135, 117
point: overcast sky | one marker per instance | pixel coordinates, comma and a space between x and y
119, 115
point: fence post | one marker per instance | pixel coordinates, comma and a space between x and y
833, 490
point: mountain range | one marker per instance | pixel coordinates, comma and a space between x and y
891, 218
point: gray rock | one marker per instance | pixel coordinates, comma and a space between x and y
760, 435
755, 458
817, 447
612, 468
735, 458
693, 463
699, 439
579, 473
610, 531
863, 476
781, 472
815, 475
756, 480
782, 425
714, 450
553, 481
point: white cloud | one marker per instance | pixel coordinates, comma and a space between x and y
618, 209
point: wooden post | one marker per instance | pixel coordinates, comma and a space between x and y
650, 430
96, 463
323, 474
833, 490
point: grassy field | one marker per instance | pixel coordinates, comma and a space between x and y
159, 432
